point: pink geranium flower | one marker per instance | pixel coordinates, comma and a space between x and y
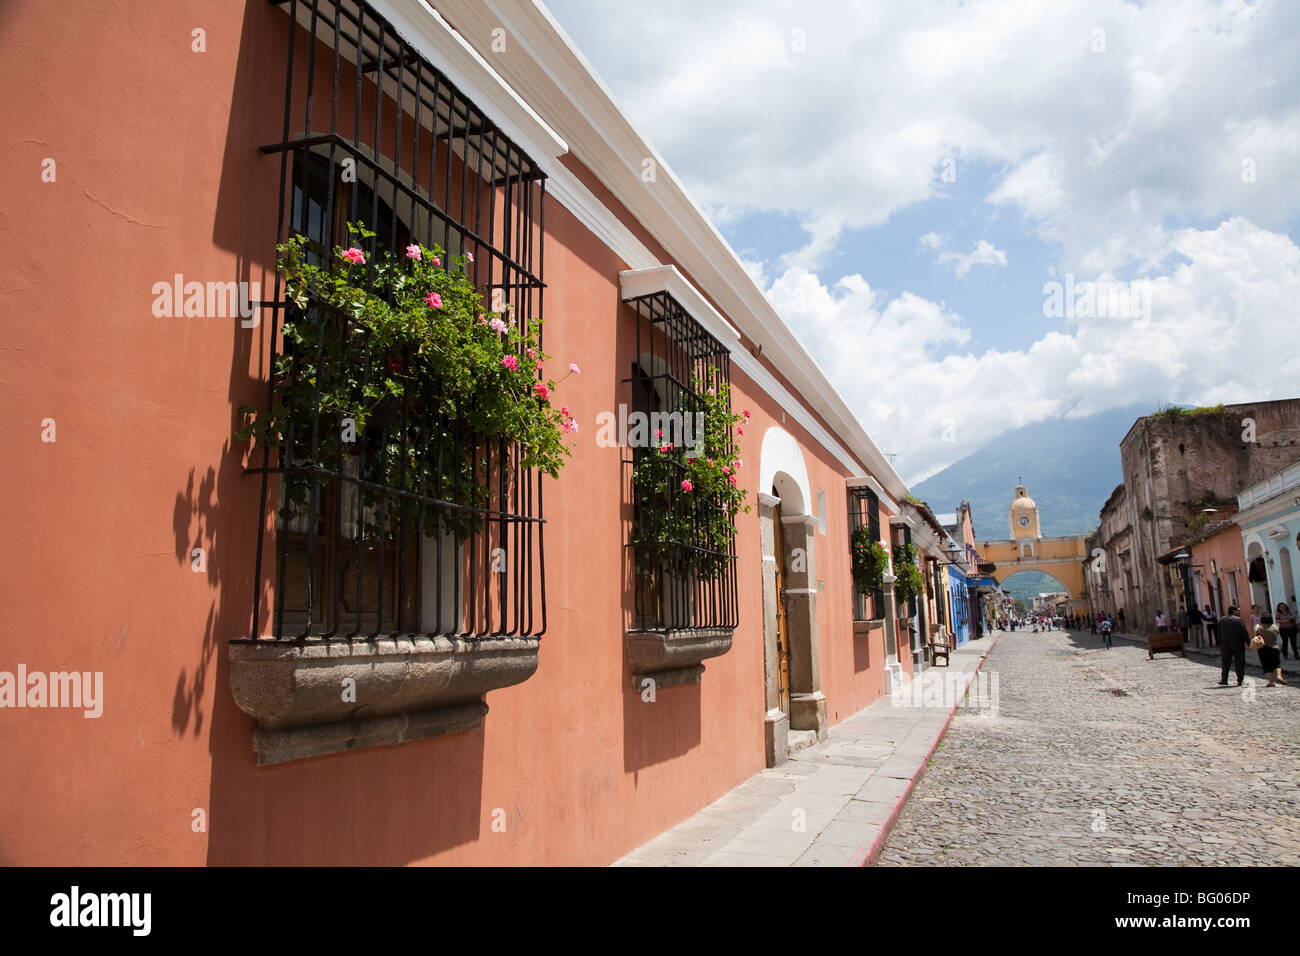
739, 464
564, 410
541, 390
510, 362
413, 252
497, 325
726, 470
434, 300
574, 369
469, 256
436, 261
570, 426
746, 414
732, 479
686, 485
740, 431
664, 448
354, 255
532, 353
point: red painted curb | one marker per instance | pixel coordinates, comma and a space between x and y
873, 852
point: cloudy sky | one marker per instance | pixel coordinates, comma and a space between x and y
906, 180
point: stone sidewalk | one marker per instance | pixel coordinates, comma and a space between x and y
831, 804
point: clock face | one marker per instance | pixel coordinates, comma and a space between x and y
1024, 521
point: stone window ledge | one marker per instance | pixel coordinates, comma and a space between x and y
406, 688
674, 657
862, 627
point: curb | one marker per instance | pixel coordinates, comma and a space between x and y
872, 852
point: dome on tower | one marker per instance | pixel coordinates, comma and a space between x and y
1023, 502
1023, 514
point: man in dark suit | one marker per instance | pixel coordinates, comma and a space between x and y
1232, 645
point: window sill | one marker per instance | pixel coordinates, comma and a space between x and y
674, 657
862, 627
403, 689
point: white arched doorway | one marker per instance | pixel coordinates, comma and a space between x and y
1288, 578
792, 681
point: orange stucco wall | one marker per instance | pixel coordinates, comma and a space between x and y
158, 173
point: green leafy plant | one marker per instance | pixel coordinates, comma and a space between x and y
870, 559
397, 363
908, 583
686, 507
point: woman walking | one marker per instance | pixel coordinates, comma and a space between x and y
1266, 632
1288, 628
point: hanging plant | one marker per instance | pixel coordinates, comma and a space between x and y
907, 576
686, 506
870, 559
439, 391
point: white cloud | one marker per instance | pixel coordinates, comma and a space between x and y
1098, 147
1220, 331
984, 254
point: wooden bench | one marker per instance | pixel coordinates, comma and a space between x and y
1161, 642
939, 647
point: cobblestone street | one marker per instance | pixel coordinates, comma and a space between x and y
1103, 757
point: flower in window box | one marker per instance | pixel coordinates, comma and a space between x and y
434, 300
510, 362
686, 484
413, 251
354, 256
542, 391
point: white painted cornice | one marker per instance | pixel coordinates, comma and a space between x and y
638, 282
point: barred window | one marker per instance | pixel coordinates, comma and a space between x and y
413, 522
864, 511
682, 542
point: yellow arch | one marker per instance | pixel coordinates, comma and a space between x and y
1062, 558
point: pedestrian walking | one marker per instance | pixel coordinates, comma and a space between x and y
1233, 639
1183, 622
1162, 622
1265, 642
1211, 625
1288, 628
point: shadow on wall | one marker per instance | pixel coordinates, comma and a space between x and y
862, 649
382, 806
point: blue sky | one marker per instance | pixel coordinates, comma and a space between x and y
1109, 141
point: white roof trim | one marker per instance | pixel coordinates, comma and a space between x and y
638, 282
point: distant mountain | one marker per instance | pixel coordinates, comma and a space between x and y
1069, 467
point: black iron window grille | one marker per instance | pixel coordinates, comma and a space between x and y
903, 541
864, 510
374, 133
684, 571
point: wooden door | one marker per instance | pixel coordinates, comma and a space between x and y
782, 641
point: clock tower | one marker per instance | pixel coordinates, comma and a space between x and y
1024, 516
